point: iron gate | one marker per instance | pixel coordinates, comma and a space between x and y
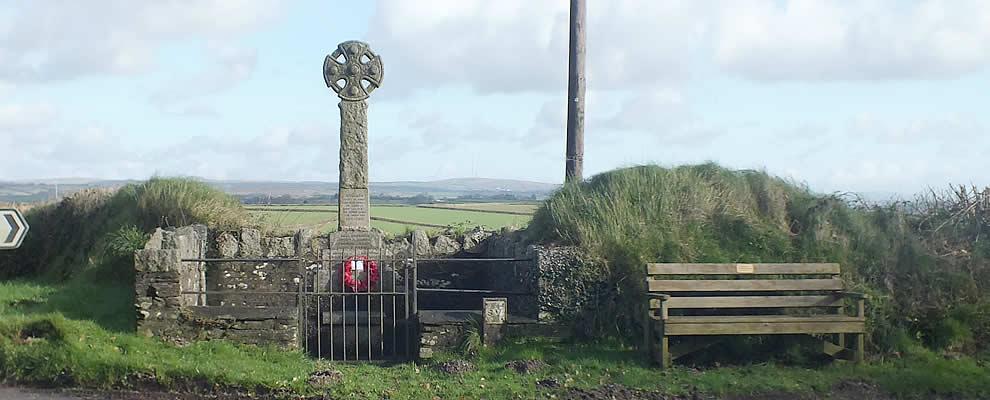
351, 317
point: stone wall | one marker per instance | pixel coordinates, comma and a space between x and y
187, 242
161, 277
444, 332
244, 301
259, 276
165, 307
515, 276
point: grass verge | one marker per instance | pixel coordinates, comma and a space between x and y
47, 340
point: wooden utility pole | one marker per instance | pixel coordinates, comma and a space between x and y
574, 168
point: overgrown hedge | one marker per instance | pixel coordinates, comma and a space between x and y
924, 261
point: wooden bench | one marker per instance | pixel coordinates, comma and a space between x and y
749, 299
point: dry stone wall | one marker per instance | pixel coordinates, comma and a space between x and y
166, 308
253, 301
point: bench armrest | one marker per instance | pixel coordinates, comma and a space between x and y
660, 296
855, 295
861, 299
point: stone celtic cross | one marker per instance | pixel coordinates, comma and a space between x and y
353, 71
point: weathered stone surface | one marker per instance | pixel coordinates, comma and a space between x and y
155, 242
474, 240
359, 65
304, 238
156, 260
318, 245
343, 244
425, 352
444, 245
165, 289
508, 245
250, 243
562, 291
398, 249
421, 243
353, 145
491, 334
279, 247
354, 209
227, 245
189, 240
494, 310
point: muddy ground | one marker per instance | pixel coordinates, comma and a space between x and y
845, 390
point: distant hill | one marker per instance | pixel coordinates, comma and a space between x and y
45, 189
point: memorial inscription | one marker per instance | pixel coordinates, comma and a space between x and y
354, 207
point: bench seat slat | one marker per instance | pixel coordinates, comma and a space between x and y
770, 319
732, 269
765, 328
749, 302
754, 285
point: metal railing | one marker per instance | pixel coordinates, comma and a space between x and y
356, 320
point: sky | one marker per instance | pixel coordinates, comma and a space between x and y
872, 95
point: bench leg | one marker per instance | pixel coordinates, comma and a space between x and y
860, 342
665, 359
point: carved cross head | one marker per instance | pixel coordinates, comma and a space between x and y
353, 71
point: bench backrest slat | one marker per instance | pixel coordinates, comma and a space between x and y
750, 302
749, 285
749, 269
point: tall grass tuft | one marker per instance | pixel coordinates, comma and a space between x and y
180, 202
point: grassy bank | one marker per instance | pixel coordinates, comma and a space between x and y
45, 339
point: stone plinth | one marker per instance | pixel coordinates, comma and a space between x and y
494, 313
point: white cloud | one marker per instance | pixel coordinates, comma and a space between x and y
872, 153
231, 65
521, 46
863, 40
661, 114
47, 145
51, 41
15, 118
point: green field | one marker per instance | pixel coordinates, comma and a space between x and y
509, 207
323, 218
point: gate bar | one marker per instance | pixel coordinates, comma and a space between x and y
472, 259
484, 291
239, 259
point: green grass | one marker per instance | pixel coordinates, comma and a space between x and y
513, 207
291, 219
450, 217
86, 330
395, 228
321, 222
45, 339
326, 207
